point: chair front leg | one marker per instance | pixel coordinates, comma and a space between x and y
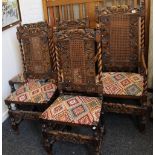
14, 124
101, 133
143, 118
97, 145
46, 140
12, 86
142, 123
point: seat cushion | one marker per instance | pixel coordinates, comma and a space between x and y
74, 109
121, 83
34, 92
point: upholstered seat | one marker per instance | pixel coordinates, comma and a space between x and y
121, 83
35, 91
74, 109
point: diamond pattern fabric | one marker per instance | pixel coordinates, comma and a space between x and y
34, 92
121, 83
74, 109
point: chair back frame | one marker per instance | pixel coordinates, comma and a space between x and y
36, 48
122, 38
76, 48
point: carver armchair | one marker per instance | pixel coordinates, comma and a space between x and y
38, 81
124, 75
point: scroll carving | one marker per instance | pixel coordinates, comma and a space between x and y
116, 10
72, 24
120, 38
35, 48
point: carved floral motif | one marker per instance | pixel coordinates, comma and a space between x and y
35, 48
77, 52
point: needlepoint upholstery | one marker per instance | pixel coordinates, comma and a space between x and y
35, 91
74, 109
121, 83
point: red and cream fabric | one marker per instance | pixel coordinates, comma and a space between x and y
121, 83
34, 92
74, 109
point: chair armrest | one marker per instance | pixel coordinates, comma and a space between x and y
18, 79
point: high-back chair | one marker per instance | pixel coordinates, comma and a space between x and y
80, 102
124, 70
38, 81
35, 39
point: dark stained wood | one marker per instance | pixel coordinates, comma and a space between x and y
34, 44
72, 24
124, 108
89, 11
77, 75
38, 63
123, 46
78, 50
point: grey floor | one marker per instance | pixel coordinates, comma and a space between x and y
122, 138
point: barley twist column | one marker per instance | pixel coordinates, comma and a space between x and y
52, 53
58, 63
142, 45
99, 52
23, 56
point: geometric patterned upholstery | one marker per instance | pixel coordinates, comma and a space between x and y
74, 109
122, 83
35, 91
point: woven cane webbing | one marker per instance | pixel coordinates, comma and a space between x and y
120, 42
77, 58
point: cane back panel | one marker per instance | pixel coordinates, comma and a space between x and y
34, 42
77, 52
120, 41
